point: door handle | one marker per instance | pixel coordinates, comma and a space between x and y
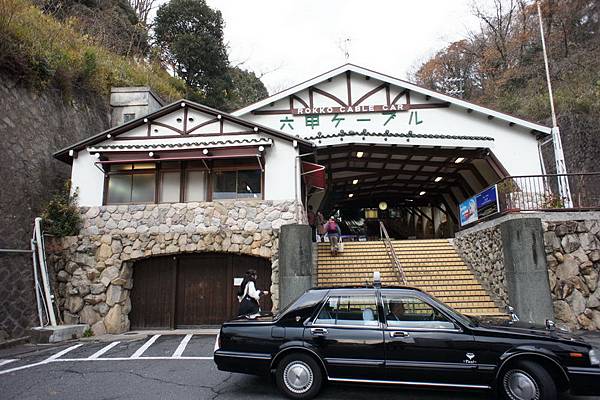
398, 334
318, 331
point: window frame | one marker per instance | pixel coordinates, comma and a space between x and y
376, 296
457, 326
183, 168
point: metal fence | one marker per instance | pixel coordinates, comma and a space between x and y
540, 192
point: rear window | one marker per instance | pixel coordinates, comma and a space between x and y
303, 307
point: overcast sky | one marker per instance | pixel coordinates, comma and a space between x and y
292, 41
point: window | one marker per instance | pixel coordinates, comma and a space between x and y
195, 189
170, 186
131, 183
237, 185
349, 310
128, 117
411, 312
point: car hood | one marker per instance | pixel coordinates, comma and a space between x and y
519, 328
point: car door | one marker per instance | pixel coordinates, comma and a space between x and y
423, 345
348, 334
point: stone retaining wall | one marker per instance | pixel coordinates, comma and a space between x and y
573, 256
482, 252
94, 269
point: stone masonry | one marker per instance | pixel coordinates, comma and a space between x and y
482, 252
33, 125
94, 270
573, 256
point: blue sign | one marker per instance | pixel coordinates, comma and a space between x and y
479, 206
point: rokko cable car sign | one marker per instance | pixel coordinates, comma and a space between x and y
350, 109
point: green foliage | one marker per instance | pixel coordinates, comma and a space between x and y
190, 36
61, 215
247, 89
41, 51
88, 333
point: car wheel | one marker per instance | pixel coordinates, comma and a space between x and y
298, 376
527, 380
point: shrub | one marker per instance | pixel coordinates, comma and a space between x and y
61, 214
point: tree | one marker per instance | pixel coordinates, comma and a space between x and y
190, 36
247, 89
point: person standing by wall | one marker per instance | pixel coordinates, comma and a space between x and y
333, 233
321, 226
248, 295
310, 215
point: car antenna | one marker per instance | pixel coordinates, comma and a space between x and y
377, 279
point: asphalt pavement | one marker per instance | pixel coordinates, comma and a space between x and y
158, 367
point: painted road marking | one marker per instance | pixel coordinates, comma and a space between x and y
103, 350
145, 346
48, 360
4, 362
181, 348
134, 359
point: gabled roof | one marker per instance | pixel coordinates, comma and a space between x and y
63, 154
398, 82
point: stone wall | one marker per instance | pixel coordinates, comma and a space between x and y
94, 269
33, 125
482, 252
573, 256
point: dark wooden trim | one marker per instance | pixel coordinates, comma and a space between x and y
191, 136
349, 86
105, 190
185, 120
332, 97
387, 94
408, 97
221, 123
149, 134
174, 288
294, 97
168, 127
271, 112
210, 121
369, 94
425, 106
399, 95
310, 97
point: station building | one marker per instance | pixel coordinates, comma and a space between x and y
179, 200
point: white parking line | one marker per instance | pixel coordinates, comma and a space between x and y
103, 350
133, 359
181, 348
46, 361
145, 346
4, 362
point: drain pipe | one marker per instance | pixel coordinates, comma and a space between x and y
39, 241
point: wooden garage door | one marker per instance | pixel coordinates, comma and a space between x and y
191, 290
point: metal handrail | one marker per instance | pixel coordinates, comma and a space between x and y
392, 253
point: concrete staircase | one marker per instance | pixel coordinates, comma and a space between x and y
431, 265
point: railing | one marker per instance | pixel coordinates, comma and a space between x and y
540, 192
392, 253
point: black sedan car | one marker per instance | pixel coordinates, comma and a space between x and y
403, 336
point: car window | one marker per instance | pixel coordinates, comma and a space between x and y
349, 310
411, 312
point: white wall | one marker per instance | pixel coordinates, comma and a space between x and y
88, 179
279, 171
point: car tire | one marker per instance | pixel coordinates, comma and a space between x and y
299, 376
527, 380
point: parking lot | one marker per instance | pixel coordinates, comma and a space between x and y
155, 367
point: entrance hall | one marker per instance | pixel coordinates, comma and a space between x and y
414, 190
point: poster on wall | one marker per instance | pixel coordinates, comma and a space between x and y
479, 206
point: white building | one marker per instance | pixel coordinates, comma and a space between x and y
187, 186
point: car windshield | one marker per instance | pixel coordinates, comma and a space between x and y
464, 319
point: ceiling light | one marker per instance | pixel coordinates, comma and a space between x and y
439, 178
354, 182
422, 193
459, 160
351, 195
359, 154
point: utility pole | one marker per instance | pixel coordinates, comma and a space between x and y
559, 156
